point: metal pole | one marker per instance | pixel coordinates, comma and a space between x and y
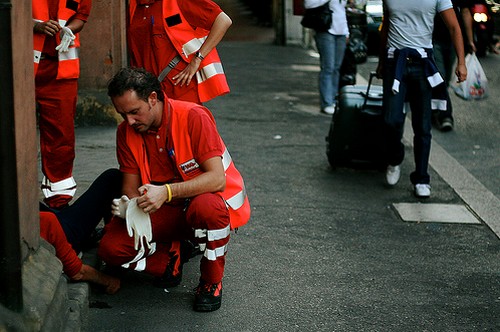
11, 295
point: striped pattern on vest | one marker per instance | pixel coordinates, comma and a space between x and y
187, 41
69, 63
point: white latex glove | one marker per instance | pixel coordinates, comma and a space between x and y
138, 225
67, 39
119, 206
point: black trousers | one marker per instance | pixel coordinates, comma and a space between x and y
80, 219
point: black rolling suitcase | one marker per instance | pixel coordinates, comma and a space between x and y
355, 138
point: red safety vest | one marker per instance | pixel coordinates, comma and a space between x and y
234, 193
187, 41
69, 64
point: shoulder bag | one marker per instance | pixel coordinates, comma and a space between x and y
318, 18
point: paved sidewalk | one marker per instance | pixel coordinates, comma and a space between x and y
325, 249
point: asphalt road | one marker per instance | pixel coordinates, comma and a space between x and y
325, 249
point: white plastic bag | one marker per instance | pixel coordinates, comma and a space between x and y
476, 84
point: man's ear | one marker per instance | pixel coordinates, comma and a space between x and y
153, 98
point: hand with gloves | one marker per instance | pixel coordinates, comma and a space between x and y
67, 39
138, 225
119, 206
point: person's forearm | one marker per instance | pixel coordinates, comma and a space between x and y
204, 183
450, 19
154, 196
130, 185
456, 36
219, 28
90, 274
458, 42
212, 179
467, 19
76, 25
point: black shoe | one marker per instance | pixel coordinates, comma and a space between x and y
208, 297
446, 124
189, 249
169, 280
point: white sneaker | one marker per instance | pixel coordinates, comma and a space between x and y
329, 109
392, 174
422, 190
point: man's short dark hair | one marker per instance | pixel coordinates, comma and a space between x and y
136, 79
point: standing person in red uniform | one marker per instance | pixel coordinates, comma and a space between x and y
56, 24
178, 172
176, 40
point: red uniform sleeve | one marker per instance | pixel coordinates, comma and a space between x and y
205, 139
200, 13
123, 154
83, 11
52, 232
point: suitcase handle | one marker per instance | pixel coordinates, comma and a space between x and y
367, 93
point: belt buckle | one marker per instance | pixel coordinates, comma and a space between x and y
412, 60
174, 61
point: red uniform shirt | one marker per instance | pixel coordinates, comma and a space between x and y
153, 54
52, 232
83, 12
205, 142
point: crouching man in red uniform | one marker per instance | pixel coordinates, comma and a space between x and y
179, 174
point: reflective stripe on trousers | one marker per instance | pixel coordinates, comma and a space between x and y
140, 258
63, 187
213, 235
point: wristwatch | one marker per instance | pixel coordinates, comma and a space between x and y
198, 55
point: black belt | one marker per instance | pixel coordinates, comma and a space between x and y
171, 65
45, 56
